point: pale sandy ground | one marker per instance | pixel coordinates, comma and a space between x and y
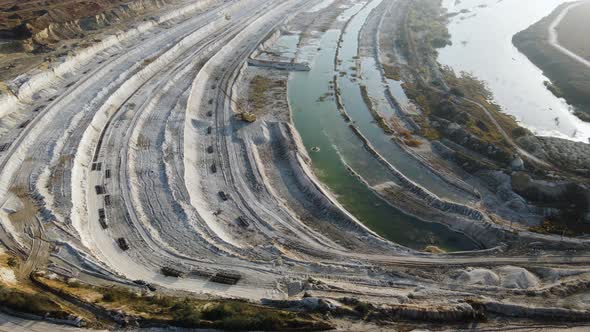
553, 35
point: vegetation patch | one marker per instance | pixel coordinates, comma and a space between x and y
412, 142
441, 112
427, 19
24, 299
392, 72
439, 109
376, 115
26, 302
434, 249
257, 98
190, 312
475, 89
362, 308
234, 315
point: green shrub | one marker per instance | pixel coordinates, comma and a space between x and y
185, 314
218, 312
268, 321
108, 297
241, 316
362, 308
162, 301
519, 132
237, 323
11, 261
117, 294
457, 92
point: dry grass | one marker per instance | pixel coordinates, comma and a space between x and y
405, 133
112, 298
392, 72
260, 86
434, 250
84, 293
4, 88
22, 297
550, 227
189, 312
476, 89
412, 142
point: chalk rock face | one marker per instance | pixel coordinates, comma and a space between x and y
517, 277
314, 303
478, 276
295, 287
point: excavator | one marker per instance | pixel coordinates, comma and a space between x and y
243, 114
247, 116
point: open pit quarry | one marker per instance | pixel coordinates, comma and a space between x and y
276, 154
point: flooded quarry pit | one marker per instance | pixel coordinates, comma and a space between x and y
281, 165
343, 163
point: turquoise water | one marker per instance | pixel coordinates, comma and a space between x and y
364, 120
320, 124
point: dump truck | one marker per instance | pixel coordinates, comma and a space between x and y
103, 223
140, 282
226, 277
223, 195
99, 190
242, 221
122, 243
171, 272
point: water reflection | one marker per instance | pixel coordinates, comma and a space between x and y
482, 45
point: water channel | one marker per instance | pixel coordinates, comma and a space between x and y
320, 124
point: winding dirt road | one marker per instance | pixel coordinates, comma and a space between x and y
554, 38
